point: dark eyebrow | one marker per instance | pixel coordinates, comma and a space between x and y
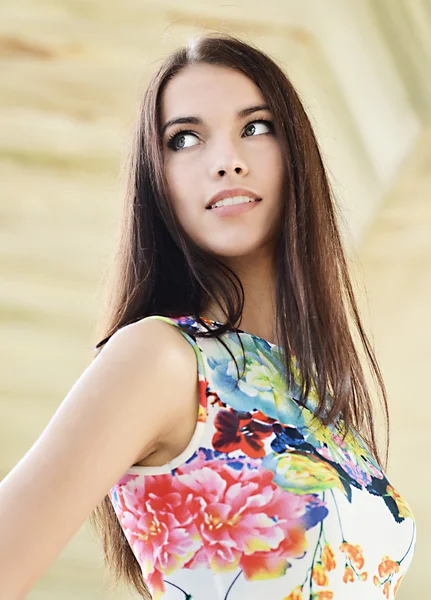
198, 121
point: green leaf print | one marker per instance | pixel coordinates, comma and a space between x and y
302, 473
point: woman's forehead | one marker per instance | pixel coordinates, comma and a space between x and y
199, 87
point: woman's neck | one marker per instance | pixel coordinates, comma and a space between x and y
259, 313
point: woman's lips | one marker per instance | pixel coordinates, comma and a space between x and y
231, 210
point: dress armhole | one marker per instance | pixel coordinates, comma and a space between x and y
193, 445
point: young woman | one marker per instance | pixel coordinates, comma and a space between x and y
223, 436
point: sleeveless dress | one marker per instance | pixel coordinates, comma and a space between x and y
265, 501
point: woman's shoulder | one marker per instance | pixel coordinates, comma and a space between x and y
154, 340
167, 370
149, 331
167, 336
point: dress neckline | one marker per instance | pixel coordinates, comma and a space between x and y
252, 335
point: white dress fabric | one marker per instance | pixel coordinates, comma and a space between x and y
265, 501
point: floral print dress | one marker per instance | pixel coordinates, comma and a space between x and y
265, 501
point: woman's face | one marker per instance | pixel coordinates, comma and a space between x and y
223, 150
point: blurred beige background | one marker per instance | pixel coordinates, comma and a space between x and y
72, 72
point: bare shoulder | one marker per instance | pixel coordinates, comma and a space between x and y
155, 343
157, 349
154, 337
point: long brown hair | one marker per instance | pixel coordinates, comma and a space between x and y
159, 270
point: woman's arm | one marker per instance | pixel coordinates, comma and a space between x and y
115, 415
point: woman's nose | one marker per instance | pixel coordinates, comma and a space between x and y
228, 161
238, 169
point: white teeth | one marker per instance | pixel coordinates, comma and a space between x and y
234, 200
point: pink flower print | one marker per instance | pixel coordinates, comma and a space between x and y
158, 524
245, 520
208, 513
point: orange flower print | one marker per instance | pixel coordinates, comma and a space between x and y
296, 594
397, 585
319, 574
354, 563
323, 595
354, 553
349, 575
386, 589
388, 567
404, 509
328, 558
